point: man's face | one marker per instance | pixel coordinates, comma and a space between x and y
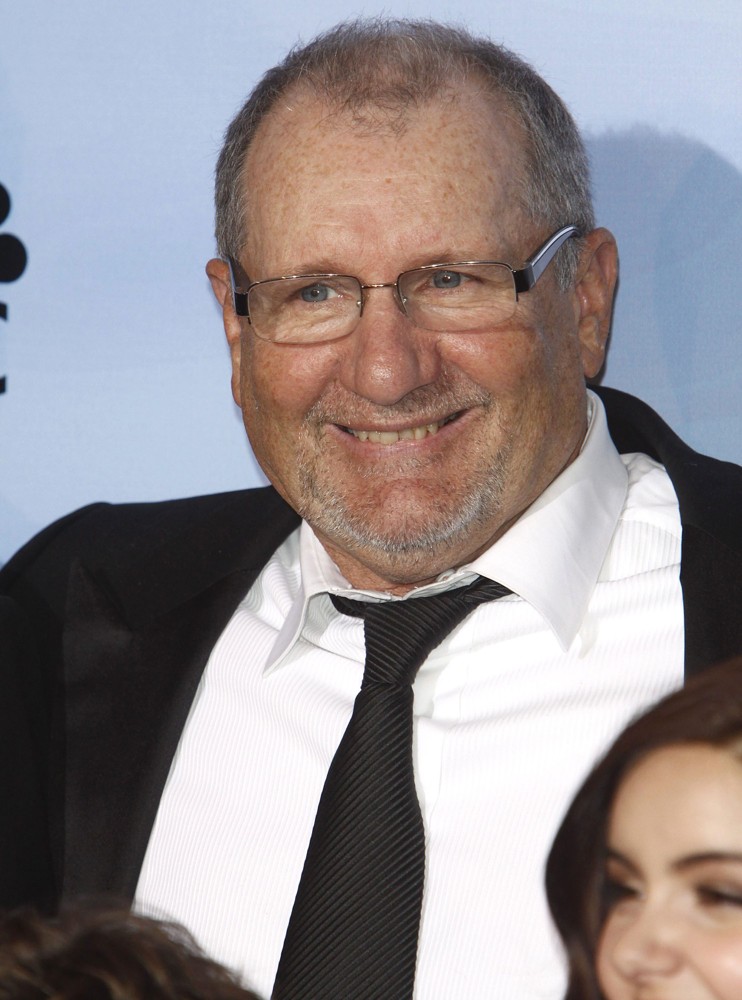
471, 426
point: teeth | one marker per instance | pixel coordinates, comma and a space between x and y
391, 437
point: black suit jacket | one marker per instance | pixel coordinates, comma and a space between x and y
25, 865
128, 601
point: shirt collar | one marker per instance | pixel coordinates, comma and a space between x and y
551, 557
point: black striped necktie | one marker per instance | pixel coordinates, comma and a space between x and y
354, 925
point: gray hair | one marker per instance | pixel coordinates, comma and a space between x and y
377, 70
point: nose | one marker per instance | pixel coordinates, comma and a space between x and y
387, 356
645, 945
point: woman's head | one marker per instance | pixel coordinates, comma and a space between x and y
100, 953
668, 791
674, 878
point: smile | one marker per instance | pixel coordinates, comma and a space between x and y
407, 434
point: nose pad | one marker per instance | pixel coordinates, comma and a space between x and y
399, 301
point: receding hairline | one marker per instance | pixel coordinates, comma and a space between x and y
378, 69
392, 120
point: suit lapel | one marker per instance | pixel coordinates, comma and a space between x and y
712, 600
132, 669
710, 498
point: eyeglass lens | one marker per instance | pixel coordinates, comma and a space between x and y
450, 298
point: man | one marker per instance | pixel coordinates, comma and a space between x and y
414, 292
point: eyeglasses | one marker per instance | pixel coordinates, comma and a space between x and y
471, 295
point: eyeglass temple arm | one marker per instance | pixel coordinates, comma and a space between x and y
239, 298
527, 276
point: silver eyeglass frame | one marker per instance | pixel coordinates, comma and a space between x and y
524, 278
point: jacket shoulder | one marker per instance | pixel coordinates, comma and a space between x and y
709, 490
123, 536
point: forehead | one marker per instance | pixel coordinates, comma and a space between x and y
449, 170
681, 793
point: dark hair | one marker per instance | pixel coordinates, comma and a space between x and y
708, 710
106, 954
377, 69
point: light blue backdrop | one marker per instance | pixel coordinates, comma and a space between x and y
111, 116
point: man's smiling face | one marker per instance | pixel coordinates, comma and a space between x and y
407, 451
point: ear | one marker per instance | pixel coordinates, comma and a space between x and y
221, 284
595, 289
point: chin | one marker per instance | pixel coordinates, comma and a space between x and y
408, 529
402, 543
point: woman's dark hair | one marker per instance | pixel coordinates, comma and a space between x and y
94, 953
708, 710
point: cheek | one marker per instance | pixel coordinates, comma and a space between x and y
280, 383
608, 976
540, 353
720, 964
536, 386
500, 362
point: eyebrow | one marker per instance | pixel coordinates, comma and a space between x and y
682, 864
705, 857
621, 859
321, 266
324, 265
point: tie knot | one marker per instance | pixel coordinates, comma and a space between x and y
400, 634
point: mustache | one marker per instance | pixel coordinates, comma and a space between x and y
428, 402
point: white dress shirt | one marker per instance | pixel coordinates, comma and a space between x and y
510, 711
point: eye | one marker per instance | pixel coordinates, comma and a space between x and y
316, 293
719, 895
616, 892
448, 279
620, 887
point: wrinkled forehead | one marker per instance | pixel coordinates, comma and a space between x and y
407, 162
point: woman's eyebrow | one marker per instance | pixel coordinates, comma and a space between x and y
705, 857
621, 859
